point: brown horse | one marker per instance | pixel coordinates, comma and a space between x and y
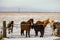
45, 22
26, 26
40, 26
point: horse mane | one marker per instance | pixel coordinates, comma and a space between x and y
42, 22
30, 21
23, 22
39, 22
46, 21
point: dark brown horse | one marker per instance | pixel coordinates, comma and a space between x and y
26, 26
10, 27
39, 26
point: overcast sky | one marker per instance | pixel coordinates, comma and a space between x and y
31, 5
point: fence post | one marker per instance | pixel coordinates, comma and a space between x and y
4, 29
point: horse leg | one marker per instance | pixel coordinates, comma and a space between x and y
22, 32
42, 33
29, 33
36, 33
52, 30
12, 30
52, 27
8, 31
26, 33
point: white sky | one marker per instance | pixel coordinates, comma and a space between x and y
53, 5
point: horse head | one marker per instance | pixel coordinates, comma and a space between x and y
31, 22
51, 21
46, 22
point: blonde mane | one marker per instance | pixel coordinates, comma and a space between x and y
51, 21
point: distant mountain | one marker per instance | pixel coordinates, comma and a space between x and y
20, 9
8, 9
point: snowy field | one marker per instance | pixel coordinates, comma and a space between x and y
16, 35
18, 18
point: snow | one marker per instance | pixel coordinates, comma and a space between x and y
16, 35
17, 18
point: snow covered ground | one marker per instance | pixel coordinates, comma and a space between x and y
16, 35
17, 18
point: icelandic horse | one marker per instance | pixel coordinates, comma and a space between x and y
39, 26
26, 26
51, 21
10, 27
55, 27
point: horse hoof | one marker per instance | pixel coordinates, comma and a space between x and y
29, 36
41, 36
26, 36
23, 34
8, 32
35, 35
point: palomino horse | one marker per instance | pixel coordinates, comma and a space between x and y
26, 26
51, 21
40, 26
10, 27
